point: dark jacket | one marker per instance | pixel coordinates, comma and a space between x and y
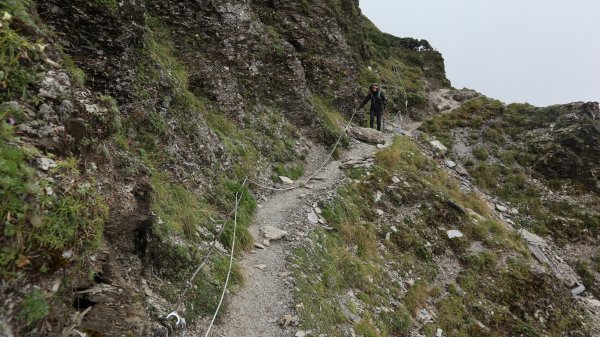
378, 102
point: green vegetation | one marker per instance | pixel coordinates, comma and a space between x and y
181, 210
588, 277
496, 297
57, 213
246, 209
19, 9
176, 263
34, 307
77, 74
292, 172
332, 123
18, 58
110, 5
504, 164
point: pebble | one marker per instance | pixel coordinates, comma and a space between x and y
261, 266
313, 217
273, 233
395, 179
286, 180
501, 208
46, 163
450, 163
453, 233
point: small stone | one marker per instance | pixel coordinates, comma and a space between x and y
318, 210
67, 254
378, 196
388, 236
379, 212
147, 291
285, 320
394, 229
49, 190
461, 170
300, 333
313, 217
438, 146
55, 285
65, 109
46, 163
261, 266
46, 111
259, 246
91, 108
266, 242
439, 332
450, 163
286, 180
273, 233
368, 135
380, 146
453, 233
322, 221
514, 211
395, 179
501, 208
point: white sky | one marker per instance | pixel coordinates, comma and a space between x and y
538, 51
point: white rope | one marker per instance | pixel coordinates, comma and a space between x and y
204, 261
238, 197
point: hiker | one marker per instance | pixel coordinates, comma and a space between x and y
378, 102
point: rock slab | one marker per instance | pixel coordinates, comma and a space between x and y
286, 180
367, 135
453, 233
273, 233
438, 146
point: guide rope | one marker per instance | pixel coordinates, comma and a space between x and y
180, 321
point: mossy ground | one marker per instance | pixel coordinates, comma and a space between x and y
507, 162
356, 257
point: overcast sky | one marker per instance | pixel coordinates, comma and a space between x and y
538, 51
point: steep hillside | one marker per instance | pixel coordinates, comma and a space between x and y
542, 161
130, 130
128, 127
